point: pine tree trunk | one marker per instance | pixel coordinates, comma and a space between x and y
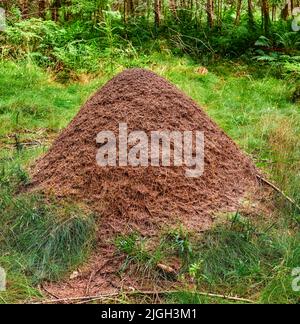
173, 7
266, 16
42, 8
274, 12
220, 13
130, 7
250, 14
24, 9
157, 8
285, 12
55, 9
210, 13
238, 12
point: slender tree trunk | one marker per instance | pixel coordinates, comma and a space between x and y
157, 9
173, 7
220, 13
125, 11
238, 12
42, 8
130, 7
274, 12
266, 16
285, 12
250, 14
55, 9
67, 12
210, 13
291, 6
24, 9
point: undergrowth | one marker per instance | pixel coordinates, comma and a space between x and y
236, 258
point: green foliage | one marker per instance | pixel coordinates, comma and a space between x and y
30, 100
178, 241
86, 32
139, 257
238, 257
30, 39
242, 254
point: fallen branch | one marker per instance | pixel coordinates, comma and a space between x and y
134, 293
48, 292
270, 184
19, 145
94, 273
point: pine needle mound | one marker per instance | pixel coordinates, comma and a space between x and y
145, 198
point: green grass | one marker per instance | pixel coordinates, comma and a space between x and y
31, 100
42, 238
238, 258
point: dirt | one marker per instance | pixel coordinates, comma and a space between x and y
145, 199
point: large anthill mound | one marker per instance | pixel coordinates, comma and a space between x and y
145, 197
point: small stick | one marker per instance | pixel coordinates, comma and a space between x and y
109, 296
94, 273
17, 143
87, 290
48, 292
279, 191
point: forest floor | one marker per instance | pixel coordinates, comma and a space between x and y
250, 257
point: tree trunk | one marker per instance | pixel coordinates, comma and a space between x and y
130, 7
291, 6
24, 9
55, 9
67, 11
173, 7
238, 12
157, 8
266, 16
250, 14
274, 12
285, 12
220, 13
42, 8
210, 13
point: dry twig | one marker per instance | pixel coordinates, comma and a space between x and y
133, 293
270, 184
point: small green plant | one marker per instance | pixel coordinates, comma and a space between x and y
179, 240
127, 243
195, 269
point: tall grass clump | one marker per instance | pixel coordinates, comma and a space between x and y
40, 238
